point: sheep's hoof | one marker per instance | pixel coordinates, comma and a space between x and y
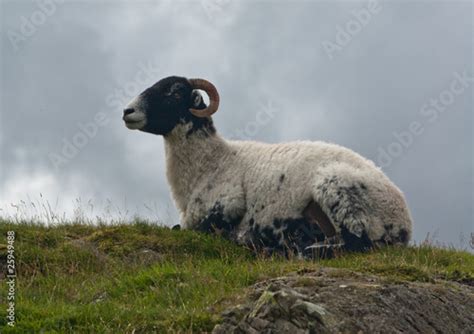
325, 249
320, 247
325, 245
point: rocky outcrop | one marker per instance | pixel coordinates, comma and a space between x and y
339, 301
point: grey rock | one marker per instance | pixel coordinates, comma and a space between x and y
339, 301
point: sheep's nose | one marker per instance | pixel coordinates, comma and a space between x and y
128, 111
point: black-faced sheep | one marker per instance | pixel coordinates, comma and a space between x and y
297, 196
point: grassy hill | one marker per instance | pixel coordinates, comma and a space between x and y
141, 278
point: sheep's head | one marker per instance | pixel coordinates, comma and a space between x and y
169, 102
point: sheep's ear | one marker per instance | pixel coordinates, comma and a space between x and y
196, 99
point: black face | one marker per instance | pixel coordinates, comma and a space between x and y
160, 108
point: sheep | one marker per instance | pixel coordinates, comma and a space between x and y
296, 196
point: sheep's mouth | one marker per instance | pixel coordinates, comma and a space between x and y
133, 121
134, 125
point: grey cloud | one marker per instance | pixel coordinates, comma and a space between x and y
256, 53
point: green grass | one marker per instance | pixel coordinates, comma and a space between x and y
141, 278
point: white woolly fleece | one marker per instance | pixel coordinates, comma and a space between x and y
260, 184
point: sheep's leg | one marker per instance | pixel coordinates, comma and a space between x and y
217, 222
344, 203
314, 214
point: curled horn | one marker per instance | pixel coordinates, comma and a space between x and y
211, 91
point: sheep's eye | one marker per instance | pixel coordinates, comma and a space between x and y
175, 95
174, 90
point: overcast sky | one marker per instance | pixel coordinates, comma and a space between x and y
390, 80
